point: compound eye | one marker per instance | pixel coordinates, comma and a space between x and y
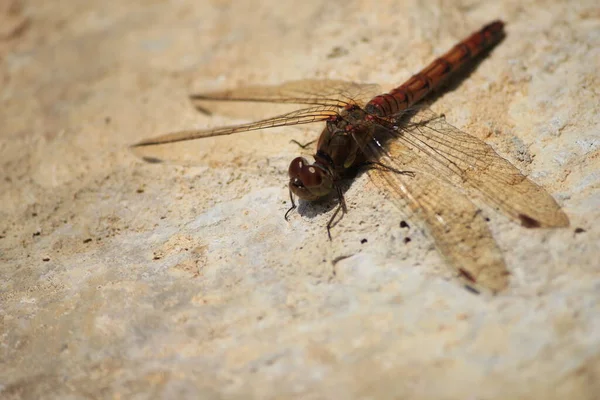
296, 167
308, 181
311, 176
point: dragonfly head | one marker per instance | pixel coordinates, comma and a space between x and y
309, 181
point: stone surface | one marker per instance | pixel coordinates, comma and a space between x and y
121, 279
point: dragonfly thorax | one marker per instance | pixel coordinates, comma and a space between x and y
309, 181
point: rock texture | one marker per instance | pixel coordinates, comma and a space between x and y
122, 279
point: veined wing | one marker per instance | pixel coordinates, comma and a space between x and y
327, 97
459, 230
447, 152
303, 116
323, 92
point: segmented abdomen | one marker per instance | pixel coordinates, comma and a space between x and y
431, 76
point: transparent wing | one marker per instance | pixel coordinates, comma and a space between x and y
461, 159
459, 230
309, 91
443, 158
327, 97
303, 116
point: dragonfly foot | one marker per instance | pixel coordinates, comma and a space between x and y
341, 207
287, 213
293, 207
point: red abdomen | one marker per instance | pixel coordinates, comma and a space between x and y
435, 73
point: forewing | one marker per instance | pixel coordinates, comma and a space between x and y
447, 152
326, 98
459, 230
309, 91
303, 116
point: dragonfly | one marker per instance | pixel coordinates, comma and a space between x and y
417, 159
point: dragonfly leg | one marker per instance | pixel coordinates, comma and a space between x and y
377, 164
293, 207
341, 206
302, 146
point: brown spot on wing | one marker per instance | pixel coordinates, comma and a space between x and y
529, 222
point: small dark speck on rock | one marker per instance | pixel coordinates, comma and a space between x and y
37, 233
363, 241
407, 240
579, 230
337, 52
87, 240
45, 259
152, 160
140, 191
471, 289
403, 224
34, 214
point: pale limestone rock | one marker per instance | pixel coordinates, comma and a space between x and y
121, 279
